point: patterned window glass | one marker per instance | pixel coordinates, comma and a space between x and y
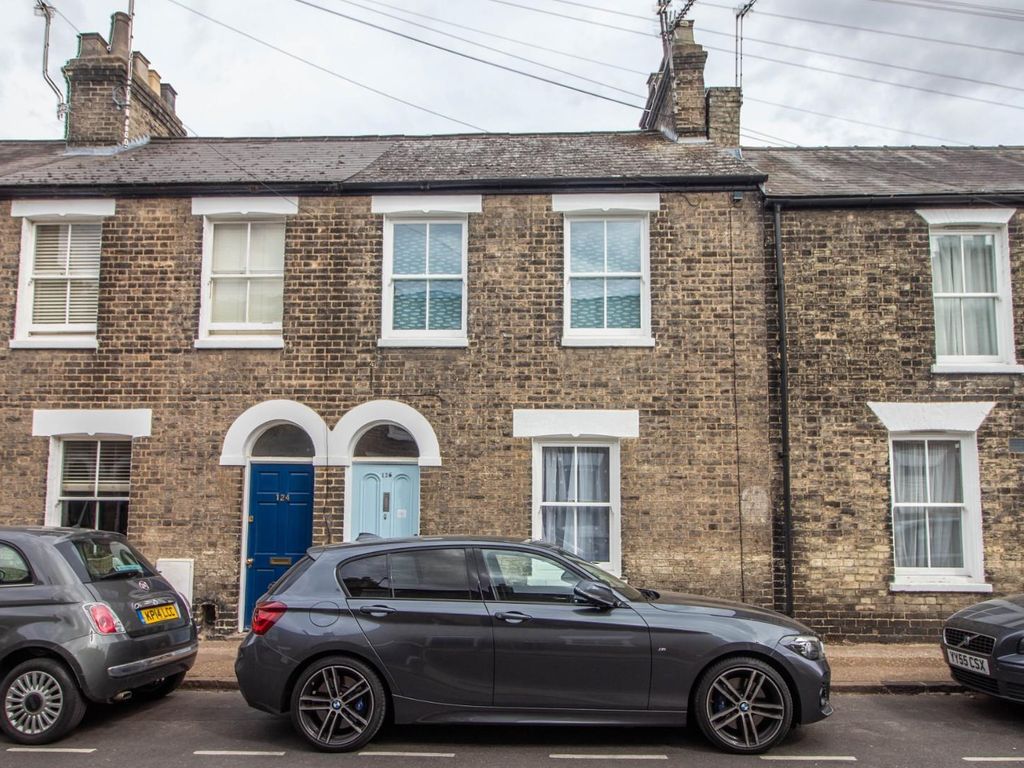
605, 273
427, 277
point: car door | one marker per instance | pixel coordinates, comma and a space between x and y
553, 652
425, 619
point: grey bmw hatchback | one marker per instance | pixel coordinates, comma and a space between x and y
83, 617
474, 630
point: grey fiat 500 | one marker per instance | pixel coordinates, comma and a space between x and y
83, 617
984, 647
445, 630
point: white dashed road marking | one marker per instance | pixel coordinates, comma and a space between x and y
62, 750
235, 753
812, 758
608, 757
407, 754
994, 759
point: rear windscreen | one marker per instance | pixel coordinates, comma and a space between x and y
110, 559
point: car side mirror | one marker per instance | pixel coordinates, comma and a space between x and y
597, 594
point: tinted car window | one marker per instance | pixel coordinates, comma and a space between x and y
430, 574
13, 568
367, 577
109, 559
528, 578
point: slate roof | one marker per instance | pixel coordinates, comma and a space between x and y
816, 172
371, 161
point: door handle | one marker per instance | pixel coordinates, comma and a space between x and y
512, 617
377, 610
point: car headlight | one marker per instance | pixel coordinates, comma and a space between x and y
808, 646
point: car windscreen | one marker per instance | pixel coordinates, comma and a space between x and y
105, 558
628, 592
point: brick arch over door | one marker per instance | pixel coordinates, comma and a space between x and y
251, 423
354, 423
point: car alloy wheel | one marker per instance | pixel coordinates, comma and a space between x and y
338, 704
744, 705
41, 702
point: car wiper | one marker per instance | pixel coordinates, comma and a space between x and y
119, 574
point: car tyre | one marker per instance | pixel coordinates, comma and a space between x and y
158, 688
39, 702
743, 705
338, 704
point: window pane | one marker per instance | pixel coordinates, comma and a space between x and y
592, 474
51, 254
266, 300
445, 249
410, 246
228, 300
911, 537
980, 327
367, 577
13, 568
266, 248
284, 440
947, 270
445, 305
949, 332
624, 246
112, 515
387, 440
522, 577
78, 474
623, 303
558, 526
114, 468
229, 247
587, 246
945, 533
77, 513
430, 574
86, 241
909, 471
410, 308
980, 263
50, 302
593, 535
944, 472
558, 474
587, 309
84, 301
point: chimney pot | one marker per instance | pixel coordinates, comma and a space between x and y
168, 94
684, 33
120, 34
154, 81
140, 67
91, 44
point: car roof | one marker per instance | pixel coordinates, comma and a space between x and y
26, 532
369, 545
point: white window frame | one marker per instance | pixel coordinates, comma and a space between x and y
32, 213
391, 337
54, 508
968, 222
614, 564
941, 421
608, 337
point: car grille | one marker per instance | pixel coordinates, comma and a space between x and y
977, 682
1015, 691
978, 643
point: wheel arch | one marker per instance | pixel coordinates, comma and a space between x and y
42, 651
746, 653
300, 669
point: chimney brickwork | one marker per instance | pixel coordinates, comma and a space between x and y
96, 92
681, 107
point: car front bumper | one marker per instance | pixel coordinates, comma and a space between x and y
1005, 678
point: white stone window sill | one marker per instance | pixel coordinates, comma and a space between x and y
240, 342
938, 586
55, 343
607, 341
439, 341
1004, 368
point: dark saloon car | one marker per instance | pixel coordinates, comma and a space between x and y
460, 630
83, 617
984, 647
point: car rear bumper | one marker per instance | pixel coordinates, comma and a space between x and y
263, 675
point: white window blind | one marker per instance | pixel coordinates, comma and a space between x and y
95, 483
65, 276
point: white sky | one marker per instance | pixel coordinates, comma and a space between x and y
230, 86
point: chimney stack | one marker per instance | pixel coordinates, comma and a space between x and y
96, 81
680, 106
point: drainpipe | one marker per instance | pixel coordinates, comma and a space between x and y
787, 490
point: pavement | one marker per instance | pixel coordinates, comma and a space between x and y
856, 667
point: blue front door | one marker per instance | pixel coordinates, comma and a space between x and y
386, 500
280, 525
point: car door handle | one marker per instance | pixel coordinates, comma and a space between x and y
512, 617
377, 610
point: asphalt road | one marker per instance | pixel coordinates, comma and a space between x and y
202, 728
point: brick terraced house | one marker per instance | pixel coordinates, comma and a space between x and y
234, 348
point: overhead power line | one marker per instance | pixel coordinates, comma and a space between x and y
490, 48
488, 33
325, 70
454, 52
592, 7
852, 120
1003, 14
903, 35
575, 18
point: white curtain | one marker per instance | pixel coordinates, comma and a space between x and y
581, 529
927, 536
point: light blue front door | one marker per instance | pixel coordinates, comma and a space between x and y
386, 500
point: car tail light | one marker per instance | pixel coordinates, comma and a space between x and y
103, 619
265, 615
